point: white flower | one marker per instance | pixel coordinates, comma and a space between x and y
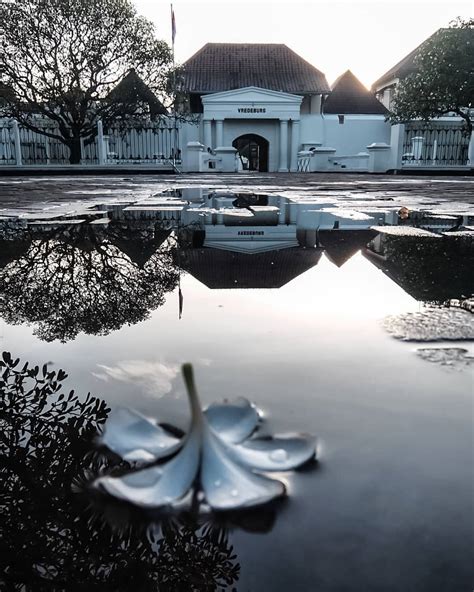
216, 456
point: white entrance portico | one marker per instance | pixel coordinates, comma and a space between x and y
255, 112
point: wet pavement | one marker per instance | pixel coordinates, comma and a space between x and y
443, 192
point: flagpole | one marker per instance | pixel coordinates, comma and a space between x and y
173, 35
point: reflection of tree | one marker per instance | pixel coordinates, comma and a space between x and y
195, 557
50, 540
79, 281
431, 269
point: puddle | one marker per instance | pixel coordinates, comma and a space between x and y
279, 302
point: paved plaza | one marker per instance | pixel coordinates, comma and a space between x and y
446, 193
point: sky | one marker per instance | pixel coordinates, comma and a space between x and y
365, 36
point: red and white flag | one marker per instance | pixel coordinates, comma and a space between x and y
173, 25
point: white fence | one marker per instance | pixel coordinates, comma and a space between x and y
439, 145
149, 142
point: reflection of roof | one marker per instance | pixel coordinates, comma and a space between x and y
340, 245
406, 66
10, 250
428, 270
132, 89
219, 67
349, 95
138, 250
219, 269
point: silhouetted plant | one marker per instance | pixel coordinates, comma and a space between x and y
194, 557
51, 538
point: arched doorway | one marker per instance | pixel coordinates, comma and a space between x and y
254, 148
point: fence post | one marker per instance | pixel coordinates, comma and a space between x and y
17, 142
470, 151
397, 135
100, 142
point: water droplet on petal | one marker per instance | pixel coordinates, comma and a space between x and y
279, 455
234, 493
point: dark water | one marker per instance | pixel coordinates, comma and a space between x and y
387, 507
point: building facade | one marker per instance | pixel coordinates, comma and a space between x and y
269, 104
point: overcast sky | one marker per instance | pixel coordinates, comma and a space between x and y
365, 36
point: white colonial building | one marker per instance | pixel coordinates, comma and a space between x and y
270, 105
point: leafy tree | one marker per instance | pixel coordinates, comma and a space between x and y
61, 58
444, 78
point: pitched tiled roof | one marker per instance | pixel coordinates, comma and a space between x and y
349, 95
219, 67
131, 89
219, 269
6, 93
404, 67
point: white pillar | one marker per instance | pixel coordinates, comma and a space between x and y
83, 149
283, 146
379, 157
219, 133
100, 142
470, 153
17, 142
47, 149
207, 133
295, 143
397, 135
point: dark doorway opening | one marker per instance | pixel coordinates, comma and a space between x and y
253, 149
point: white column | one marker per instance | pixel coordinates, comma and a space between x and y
295, 143
470, 153
47, 149
219, 133
283, 146
207, 133
397, 135
17, 142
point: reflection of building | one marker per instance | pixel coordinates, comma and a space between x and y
249, 223
10, 250
430, 267
340, 245
218, 269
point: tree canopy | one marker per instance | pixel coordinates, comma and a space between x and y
61, 58
444, 78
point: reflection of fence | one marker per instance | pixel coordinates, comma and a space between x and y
435, 144
149, 142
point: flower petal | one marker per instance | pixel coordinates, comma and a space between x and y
134, 437
228, 485
233, 420
161, 485
280, 453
